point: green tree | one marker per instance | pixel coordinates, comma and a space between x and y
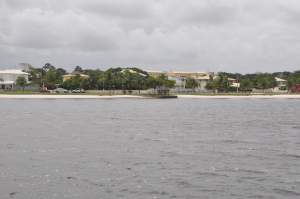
162, 80
264, 81
191, 83
21, 81
48, 67
246, 84
93, 78
293, 79
51, 77
73, 83
219, 83
78, 69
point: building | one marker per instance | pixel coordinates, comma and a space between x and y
281, 83
180, 78
281, 86
74, 74
8, 78
296, 88
234, 83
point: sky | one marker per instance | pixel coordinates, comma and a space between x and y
191, 35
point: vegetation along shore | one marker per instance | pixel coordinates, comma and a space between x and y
127, 81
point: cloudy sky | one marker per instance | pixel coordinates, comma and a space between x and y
193, 35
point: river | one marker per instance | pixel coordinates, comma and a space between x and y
150, 149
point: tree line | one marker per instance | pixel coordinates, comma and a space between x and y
250, 81
111, 79
133, 78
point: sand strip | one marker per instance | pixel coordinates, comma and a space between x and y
38, 96
41, 96
240, 96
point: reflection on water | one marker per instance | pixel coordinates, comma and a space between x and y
183, 148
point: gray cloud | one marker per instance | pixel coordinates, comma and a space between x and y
215, 35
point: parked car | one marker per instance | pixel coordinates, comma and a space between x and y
59, 90
78, 90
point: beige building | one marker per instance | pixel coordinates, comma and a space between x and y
69, 76
180, 77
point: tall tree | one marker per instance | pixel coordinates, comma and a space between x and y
21, 81
191, 83
78, 69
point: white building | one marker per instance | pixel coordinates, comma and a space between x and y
281, 85
8, 78
234, 83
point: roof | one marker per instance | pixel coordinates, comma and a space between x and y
73, 75
16, 72
186, 72
279, 79
194, 75
154, 71
231, 79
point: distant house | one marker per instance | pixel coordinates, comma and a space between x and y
180, 78
281, 84
74, 74
296, 88
8, 78
233, 83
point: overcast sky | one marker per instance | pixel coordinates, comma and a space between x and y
193, 35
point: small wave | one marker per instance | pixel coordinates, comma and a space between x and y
71, 178
86, 181
285, 192
256, 196
245, 171
229, 141
252, 171
12, 194
162, 193
290, 155
210, 190
253, 178
212, 174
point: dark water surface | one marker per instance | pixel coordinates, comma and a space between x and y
150, 149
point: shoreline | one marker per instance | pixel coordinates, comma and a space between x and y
42, 96
281, 96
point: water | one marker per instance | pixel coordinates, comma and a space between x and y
140, 149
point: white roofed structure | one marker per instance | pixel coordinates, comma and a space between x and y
9, 77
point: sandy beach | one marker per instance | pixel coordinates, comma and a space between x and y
240, 96
37, 96
40, 96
